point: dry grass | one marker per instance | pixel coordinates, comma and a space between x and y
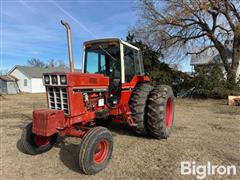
204, 131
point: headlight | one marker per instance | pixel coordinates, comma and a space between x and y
46, 79
54, 79
63, 79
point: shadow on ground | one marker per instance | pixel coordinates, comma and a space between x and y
69, 151
123, 128
69, 155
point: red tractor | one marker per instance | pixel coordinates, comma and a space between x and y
111, 86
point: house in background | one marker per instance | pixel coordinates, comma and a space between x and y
30, 78
8, 84
211, 56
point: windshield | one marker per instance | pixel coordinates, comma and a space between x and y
104, 59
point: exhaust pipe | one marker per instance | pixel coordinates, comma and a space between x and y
70, 50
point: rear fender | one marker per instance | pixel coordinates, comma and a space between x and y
127, 88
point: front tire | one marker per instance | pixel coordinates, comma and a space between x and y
34, 144
161, 112
95, 150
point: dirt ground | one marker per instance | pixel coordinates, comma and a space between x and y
204, 130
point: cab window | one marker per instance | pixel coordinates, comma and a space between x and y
103, 59
131, 63
92, 65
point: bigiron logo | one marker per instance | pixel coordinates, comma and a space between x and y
202, 171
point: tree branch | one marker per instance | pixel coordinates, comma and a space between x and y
233, 9
224, 29
201, 51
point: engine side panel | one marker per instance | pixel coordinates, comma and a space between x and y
85, 81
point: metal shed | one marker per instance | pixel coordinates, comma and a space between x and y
8, 84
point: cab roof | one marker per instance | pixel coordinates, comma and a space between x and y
110, 40
102, 40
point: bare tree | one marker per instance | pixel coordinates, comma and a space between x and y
36, 63
62, 64
51, 63
56, 63
195, 24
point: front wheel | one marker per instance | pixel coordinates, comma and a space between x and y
34, 144
95, 150
161, 112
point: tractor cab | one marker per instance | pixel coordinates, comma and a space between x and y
116, 59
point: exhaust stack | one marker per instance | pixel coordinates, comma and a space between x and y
70, 50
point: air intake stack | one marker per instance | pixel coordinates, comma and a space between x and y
70, 50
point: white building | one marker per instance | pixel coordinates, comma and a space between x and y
211, 56
30, 78
8, 84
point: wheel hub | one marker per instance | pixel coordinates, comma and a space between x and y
101, 151
168, 115
40, 141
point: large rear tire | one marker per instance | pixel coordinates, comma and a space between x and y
138, 106
161, 112
95, 150
34, 144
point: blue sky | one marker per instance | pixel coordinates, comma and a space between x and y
32, 29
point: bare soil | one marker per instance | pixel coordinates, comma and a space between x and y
204, 130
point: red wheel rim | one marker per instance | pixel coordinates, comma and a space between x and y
168, 115
101, 151
41, 140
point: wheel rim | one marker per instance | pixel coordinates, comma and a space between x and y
168, 115
101, 151
40, 141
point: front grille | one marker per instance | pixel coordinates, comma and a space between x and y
58, 99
